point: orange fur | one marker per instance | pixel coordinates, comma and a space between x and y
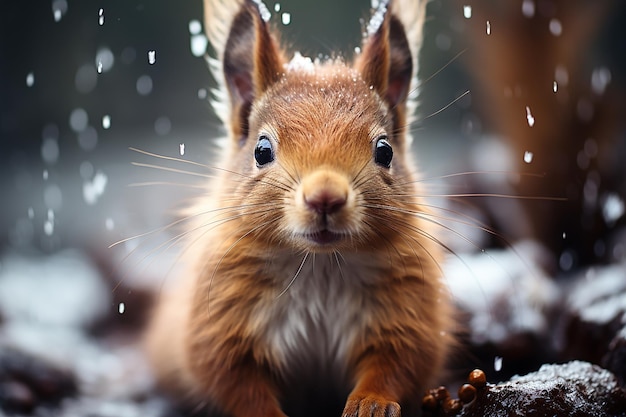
316, 271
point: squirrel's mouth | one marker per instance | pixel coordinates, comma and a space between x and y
324, 237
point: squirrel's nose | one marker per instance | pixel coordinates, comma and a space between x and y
325, 192
325, 201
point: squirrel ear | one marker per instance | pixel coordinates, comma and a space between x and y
251, 63
386, 62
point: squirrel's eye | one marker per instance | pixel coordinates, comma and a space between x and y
263, 153
383, 154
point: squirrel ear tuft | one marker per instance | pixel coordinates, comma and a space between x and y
386, 62
389, 58
251, 62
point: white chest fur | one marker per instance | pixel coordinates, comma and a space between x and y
313, 325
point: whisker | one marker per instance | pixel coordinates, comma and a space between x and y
389, 244
429, 218
284, 187
165, 246
175, 170
444, 108
167, 183
336, 255
169, 158
470, 221
281, 185
289, 174
497, 195
474, 173
192, 243
186, 218
462, 195
444, 246
424, 216
359, 179
446, 65
306, 255
408, 239
414, 239
225, 254
160, 229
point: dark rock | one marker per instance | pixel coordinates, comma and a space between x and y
615, 359
575, 389
15, 396
26, 382
594, 317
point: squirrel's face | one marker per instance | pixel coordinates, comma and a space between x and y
322, 151
318, 150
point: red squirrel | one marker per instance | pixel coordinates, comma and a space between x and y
313, 282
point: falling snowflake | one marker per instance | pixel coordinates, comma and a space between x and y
286, 18
528, 157
59, 8
613, 208
529, 117
555, 26
467, 11
528, 8
497, 363
92, 190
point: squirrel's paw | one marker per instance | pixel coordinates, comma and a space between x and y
370, 405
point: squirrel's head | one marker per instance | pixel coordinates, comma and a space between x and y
319, 149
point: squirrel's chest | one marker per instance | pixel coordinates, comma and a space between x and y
313, 326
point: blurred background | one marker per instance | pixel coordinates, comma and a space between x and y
83, 81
